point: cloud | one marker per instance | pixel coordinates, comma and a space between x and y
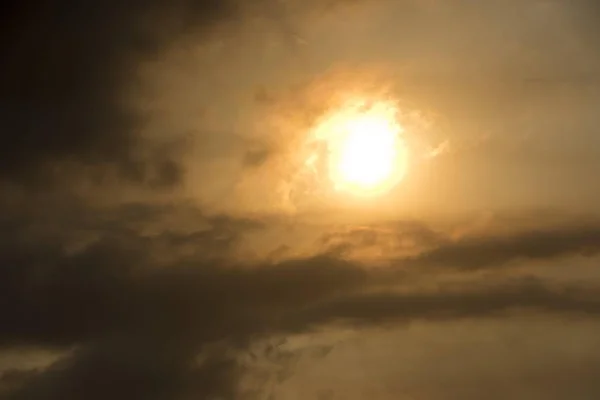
516, 357
13, 379
155, 300
495, 250
66, 74
69, 74
150, 324
134, 368
414, 244
483, 302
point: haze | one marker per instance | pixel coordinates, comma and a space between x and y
181, 219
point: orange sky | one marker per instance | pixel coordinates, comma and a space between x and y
166, 233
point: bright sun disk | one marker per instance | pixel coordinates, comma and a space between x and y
365, 148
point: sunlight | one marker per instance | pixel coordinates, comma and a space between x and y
366, 154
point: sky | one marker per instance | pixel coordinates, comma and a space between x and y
162, 238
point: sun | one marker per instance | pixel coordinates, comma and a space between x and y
365, 150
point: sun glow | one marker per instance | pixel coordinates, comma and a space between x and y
364, 147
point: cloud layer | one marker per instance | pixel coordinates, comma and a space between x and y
146, 322
163, 299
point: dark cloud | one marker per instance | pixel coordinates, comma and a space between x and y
484, 301
66, 70
134, 368
494, 250
480, 250
147, 326
13, 379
